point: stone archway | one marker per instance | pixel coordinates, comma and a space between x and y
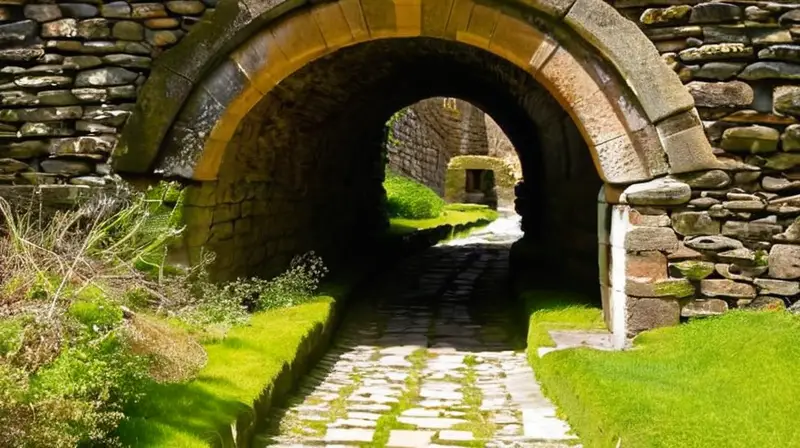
633, 111
252, 63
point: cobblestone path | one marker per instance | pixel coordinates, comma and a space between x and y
428, 357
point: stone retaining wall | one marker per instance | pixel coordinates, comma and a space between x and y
69, 77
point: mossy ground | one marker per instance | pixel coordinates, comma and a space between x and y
727, 381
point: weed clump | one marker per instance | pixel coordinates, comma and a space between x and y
91, 313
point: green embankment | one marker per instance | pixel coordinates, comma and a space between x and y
726, 381
454, 215
250, 360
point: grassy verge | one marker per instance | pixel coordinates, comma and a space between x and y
557, 310
240, 368
452, 215
725, 381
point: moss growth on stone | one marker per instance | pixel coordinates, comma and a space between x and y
693, 269
673, 288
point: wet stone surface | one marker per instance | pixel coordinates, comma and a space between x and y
427, 357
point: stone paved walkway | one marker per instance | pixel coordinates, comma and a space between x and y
427, 358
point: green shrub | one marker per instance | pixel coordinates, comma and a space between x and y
99, 314
409, 199
101, 370
11, 336
225, 305
297, 285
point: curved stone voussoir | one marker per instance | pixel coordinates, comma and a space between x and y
176, 71
203, 112
658, 88
618, 162
685, 143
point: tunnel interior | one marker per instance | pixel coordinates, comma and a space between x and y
305, 167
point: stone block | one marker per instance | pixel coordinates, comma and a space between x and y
198, 217
726, 288
694, 223
685, 143
221, 231
186, 7
721, 94
712, 179
768, 286
692, 269
786, 100
766, 303
704, 307
784, 262
647, 313
666, 16
107, 76
752, 139
661, 191
781, 52
751, 230
651, 238
79, 10
716, 52
770, 70
67, 167
713, 243
42, 13
677, 288
713, 12
637, 218
60, 28
647, 266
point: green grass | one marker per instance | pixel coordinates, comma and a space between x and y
239, 369
556, 310
453, 214
726, 381
407, 198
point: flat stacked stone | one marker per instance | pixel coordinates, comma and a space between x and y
70, 76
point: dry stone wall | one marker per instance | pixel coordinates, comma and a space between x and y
702, 244
705, 243
69, 77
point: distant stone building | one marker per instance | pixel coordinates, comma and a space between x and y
455, 149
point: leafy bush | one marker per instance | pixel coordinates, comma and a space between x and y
227, 304
297, 285
11, 336
72, 356
407, 198
99, 314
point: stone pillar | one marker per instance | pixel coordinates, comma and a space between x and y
618, 300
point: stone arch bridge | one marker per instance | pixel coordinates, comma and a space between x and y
273, 112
